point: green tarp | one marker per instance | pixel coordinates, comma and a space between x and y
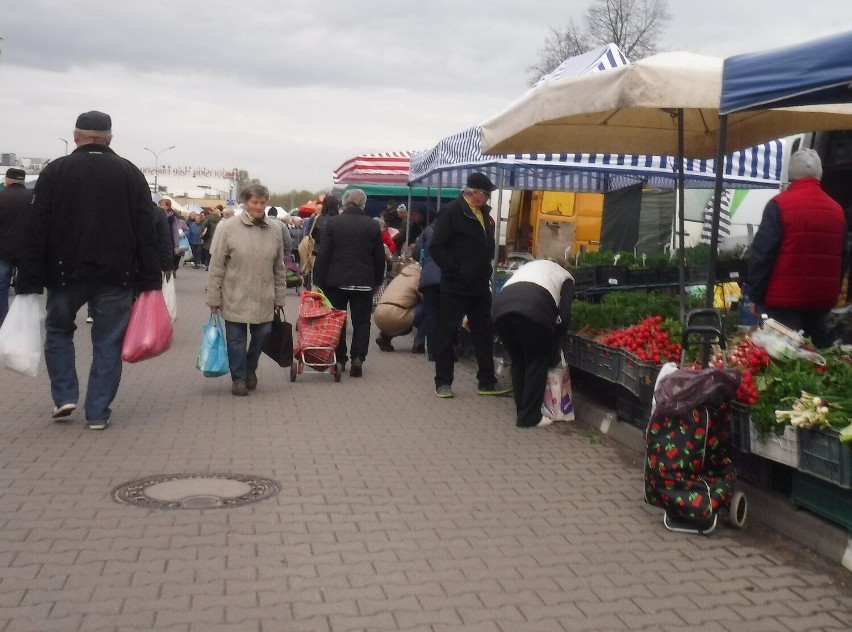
400, 193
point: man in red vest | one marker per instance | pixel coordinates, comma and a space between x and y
797, 255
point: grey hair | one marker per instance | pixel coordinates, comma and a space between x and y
98, 136
356, 197
256, 190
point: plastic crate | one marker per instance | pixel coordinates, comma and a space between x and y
824, 499
572, 350
600, 360
643, 276
782, 448
752, 468
697, 274
668, 274
608, 276
822, 455
638, 376
583, 278
731, 270
633, 410
741, 427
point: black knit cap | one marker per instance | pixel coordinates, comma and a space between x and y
13, 173
94, 121
480, 181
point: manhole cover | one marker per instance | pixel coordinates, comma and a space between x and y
195, 491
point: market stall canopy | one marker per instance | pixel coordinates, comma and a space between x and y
633, 108
381, 168
456, 156
399, 192
815, 72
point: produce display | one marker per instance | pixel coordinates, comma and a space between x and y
649, 340
787, 390
807, 388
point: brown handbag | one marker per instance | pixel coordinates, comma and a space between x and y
306, 249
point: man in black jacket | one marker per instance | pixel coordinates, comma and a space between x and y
90, 238
15, 201
463, 247
349, 267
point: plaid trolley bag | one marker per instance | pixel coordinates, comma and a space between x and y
688, 471
318, 328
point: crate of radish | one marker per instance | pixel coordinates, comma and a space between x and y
645, 347
750, 360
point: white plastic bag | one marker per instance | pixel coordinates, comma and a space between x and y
557, 404
171, 296
21, 340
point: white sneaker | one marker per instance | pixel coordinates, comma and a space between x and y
63, 411
97, 425
545, 421
89, 319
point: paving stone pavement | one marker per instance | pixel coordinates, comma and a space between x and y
397, 511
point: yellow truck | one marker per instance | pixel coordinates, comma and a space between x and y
554, 224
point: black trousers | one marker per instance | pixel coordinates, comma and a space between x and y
532, 349
360, 304
431, 311
478, 310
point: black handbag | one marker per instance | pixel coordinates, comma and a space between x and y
279, 343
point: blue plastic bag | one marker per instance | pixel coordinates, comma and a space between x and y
212, 359
183, 243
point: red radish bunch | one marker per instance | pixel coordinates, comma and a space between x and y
750, 360
647, 341
747, 390
748, 356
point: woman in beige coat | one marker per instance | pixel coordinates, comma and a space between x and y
247, 282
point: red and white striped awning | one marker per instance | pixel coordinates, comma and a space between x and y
383, 168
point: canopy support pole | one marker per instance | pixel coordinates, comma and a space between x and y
717, 210
681, 223
497, 224
407, 223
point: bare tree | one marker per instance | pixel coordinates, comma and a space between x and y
632, 25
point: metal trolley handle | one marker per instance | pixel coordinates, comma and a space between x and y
706, 325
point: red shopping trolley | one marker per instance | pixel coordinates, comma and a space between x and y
318, 329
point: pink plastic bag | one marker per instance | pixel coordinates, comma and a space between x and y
149, 332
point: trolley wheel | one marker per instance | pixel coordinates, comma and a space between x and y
293, 371
738, 511
337, 371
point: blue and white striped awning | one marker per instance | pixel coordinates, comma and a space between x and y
449, 163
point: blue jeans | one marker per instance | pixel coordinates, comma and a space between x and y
6, 268
420, 329
111, 308
242, 361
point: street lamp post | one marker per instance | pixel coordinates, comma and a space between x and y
66, 145
157, 164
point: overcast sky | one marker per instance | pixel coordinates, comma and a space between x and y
290, 89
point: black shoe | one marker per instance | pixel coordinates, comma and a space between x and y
494, 388
355, 371
384, 343
418, 348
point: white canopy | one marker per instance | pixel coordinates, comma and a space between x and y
456, 156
